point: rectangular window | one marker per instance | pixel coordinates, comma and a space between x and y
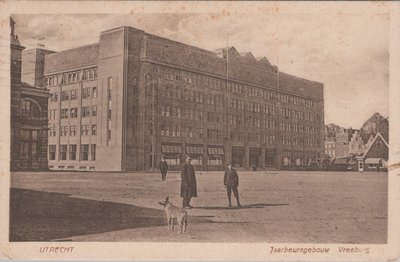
84, 152
52, 152
93, 152
74, 112
73, 94
94, 110
86, 111
63, 152
93, 130
94, 91
72, 152
64, 113
109, 88
64, 95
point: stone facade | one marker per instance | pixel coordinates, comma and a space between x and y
28, 116
120, 104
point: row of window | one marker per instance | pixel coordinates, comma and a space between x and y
298, 128
73, 94
71, 77
86, 130
69, 152
220, 84
253, 137
212, 160
301, 142
86, 111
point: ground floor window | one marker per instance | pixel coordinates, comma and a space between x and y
173, 159
299, 161
286, 161
63, 152
215, 160
52, 152
84, 152
197, 160
93, 152
72, 152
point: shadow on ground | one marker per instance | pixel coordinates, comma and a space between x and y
260, 205
43, 216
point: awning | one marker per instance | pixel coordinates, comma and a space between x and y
341, 161
196, 150
215, 151
171, 149
376, 161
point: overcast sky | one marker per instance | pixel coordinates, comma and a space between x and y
348, 53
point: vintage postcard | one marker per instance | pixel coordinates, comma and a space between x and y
200, 130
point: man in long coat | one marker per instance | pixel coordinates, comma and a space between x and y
231, 182
188, 183
163, 166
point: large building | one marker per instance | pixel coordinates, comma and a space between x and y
122, 103
28, 145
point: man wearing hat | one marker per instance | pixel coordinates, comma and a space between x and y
188, 183
163, 168
231, 182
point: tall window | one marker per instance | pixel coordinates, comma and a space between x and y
52, 152
93, 130
109, 109
29, 110
93, 152
94, 92
84, 152
63, 152
72, 152
94, 110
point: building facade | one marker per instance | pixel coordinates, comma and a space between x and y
28, 116
356, 145
330, 147
122, 103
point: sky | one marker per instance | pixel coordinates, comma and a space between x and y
348, 53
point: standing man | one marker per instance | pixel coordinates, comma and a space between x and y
163, 166
231, 182
188, 183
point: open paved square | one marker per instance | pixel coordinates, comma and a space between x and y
278, 206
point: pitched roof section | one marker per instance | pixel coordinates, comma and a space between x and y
373, 142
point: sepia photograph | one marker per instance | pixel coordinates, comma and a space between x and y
201, 127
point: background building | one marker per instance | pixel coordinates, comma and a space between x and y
123, 102
330, 147
28, 116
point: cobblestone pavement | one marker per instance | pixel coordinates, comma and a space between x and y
279, 206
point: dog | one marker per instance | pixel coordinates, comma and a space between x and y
172, 212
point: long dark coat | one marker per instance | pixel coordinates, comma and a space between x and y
188, 183
163, 166
231, 178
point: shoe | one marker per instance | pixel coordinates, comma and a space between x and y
191, 206
239, 206
229, 205
187, 207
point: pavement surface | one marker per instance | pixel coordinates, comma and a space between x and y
279, 206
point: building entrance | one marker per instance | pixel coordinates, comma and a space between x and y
254, 156
270, 157
28, 149
237, 156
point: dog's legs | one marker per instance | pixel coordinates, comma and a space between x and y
180, 223
172, 223
169, 223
